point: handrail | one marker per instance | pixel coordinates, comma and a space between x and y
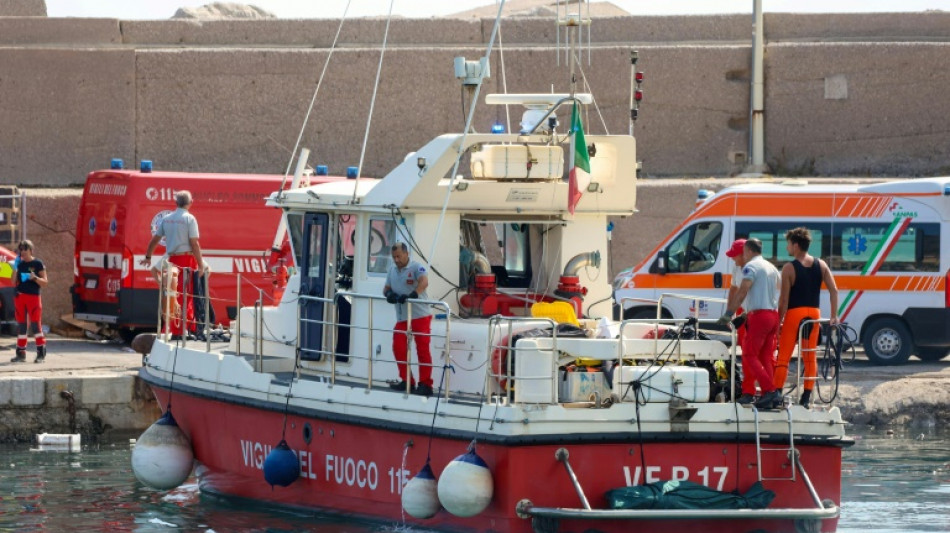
329, 321
798, 371
494, 323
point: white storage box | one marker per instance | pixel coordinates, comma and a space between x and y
659, 384
580, 386
510, 162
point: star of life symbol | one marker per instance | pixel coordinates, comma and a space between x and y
857, 245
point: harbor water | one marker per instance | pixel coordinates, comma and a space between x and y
891, 483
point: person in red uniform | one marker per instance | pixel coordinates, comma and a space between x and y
30, 279
180, 231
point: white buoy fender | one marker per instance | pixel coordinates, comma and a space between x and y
420, 496
466, 486
162, 457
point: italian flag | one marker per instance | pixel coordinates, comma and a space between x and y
580, 159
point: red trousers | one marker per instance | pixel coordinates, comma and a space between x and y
788, 340
758, 350
28, 306
421, 327
184, 261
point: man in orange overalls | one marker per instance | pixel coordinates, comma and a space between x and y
798, 301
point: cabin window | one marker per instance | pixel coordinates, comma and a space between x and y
317, 260
696, 249
382, 234
295, 229
514, 250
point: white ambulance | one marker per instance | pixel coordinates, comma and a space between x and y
888, 245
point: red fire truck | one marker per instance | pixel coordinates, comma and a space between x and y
121, 208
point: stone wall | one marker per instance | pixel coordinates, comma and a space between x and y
845, 94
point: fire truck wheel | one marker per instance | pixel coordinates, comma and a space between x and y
128, 334
887, 341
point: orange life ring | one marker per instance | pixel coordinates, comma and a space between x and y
499, 363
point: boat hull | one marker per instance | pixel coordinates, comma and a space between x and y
359, 469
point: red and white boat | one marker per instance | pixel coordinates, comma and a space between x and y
499, 239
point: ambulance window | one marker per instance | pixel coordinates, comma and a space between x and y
696, 249
886, 247
772, 235
382, 234
295, 228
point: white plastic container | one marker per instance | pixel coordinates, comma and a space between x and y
511, 162
580, 386
660, 384
59, 440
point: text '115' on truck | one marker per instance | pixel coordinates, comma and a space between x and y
887, 244
120, 210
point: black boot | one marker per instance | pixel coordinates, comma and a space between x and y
805, 400
20, 356
40, 354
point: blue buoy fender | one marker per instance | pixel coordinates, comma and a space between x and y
162, 457
420, 497
466, 486
281, 466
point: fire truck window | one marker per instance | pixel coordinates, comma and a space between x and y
382, 233
315, 267
295, 228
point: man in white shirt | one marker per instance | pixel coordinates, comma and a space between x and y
180, 230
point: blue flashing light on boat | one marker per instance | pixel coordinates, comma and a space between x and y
146, 165
497, 127
323, 170
116, 164
351, 173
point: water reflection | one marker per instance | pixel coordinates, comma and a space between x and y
892, 484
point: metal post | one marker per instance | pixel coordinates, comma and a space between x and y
237, 318
757, 111
447, 353
161, 298
562, 455
369, 370
259, 337
23, 215
207, 330
186, 272
332, 349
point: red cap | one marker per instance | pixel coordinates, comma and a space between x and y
736, 249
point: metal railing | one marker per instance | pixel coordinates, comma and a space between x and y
506, 379
329, 327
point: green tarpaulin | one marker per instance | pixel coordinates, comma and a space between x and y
687, 495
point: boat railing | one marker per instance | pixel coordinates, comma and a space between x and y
695, 320
330, 326
501, 362
201, 325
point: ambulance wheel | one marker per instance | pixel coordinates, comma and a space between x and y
887, 342
932, 354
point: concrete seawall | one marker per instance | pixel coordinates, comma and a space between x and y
84, 387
